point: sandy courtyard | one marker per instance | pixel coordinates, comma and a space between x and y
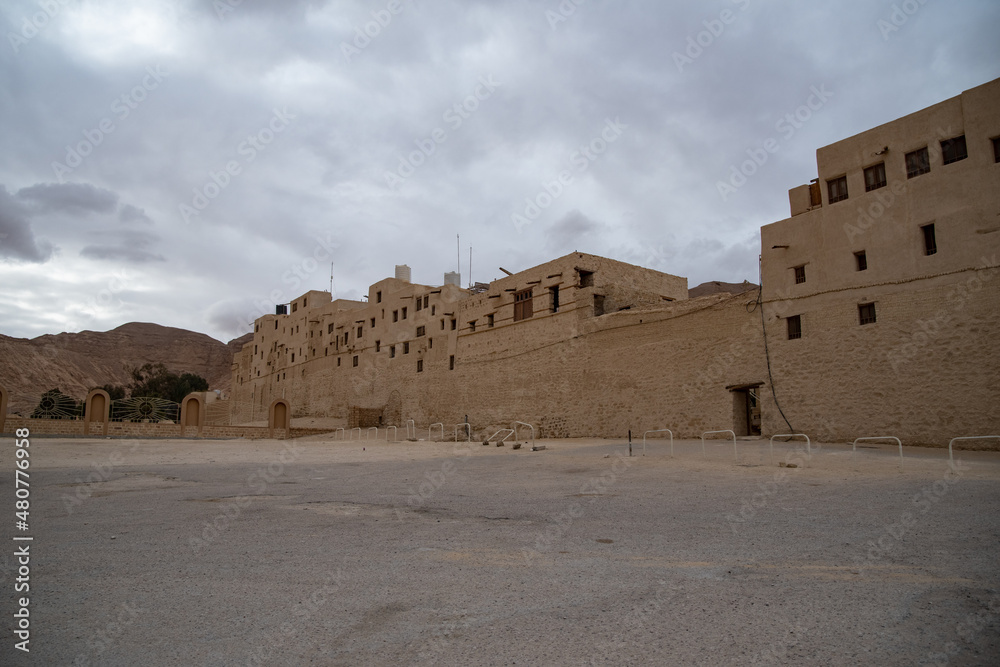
184, 552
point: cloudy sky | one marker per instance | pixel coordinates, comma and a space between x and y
191, 163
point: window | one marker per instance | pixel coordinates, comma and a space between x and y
406, 347
404, 312
953, 150
554, 298
378, 346
837, 189
489, 320
996, 150
586, 278
433, 310
420, 365
395, 316
295, 306
329, 329
918, 162
293, 357
598, 305
392, 351
346, 334
794, 327
355, 362
522, 305
862, 260
454, 324
866, 313
451, 363
430, 343
421, 331
930, 243
419, 304
427, 299
472, 325
338, 361
361, 331
276, 325
800, 274
378, 297
875, 177
442, 325
373, 323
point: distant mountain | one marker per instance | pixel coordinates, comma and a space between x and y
75, 362
715, 287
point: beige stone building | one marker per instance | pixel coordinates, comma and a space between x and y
879, 315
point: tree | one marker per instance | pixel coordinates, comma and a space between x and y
154, 380
115, 391
56, 405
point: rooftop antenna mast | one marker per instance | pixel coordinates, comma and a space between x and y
458, 255
332, 293
470, 267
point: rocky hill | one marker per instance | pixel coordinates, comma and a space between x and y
75, 362
716, 287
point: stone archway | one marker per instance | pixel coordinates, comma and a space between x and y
279, 415
98, 411
193, 413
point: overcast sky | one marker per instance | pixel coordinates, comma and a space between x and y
191, 163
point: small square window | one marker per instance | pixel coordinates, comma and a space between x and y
361, 332
421, 330
800, 274
489, 320
472, 325
996, 150
866, 313
794, 327
404, 312
930, 242
378, 346
378, 297
454, 324
451, 363
420, 365
395, 316
875, 177
419, 304
918, 162
355, 362
953, 150
373, 323
837, 189
392, 351
586, 278
862, 260
406, 347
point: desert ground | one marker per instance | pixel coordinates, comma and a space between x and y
315, 552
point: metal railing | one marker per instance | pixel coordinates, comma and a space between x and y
342, 432
358, 429
659, 430
468, 430
395, 433
411, 424
368, 435
729, 431
854, 446
516, 424
507, 433
770, 456
430, 430
951, 457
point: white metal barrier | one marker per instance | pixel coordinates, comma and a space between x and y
854, 446
467, 429
358, 429
770, 456
341, 432
729, 431
430, 430
507, 433
951, 458
395, 434
411, 424
368, 435
516, 424
659, 430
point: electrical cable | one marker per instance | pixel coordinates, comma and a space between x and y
767, 355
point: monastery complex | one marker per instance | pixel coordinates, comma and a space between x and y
879, 314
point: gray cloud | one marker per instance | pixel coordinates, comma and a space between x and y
130, 214
17, 239
69, 197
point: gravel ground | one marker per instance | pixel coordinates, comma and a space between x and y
319, 553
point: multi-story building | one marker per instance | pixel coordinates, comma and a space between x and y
878, 315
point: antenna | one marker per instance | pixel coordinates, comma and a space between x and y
470, 267
458, 255
332, 293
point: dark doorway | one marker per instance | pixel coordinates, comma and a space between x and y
746, 410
